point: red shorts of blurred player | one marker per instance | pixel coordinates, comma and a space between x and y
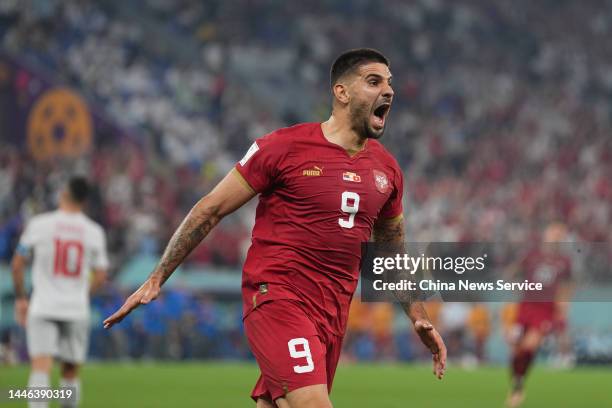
290, 349
540, 316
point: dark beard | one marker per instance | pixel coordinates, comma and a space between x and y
359, 122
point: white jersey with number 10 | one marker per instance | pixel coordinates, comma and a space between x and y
66, 247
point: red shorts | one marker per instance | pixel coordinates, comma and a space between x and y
540, 316
290, 351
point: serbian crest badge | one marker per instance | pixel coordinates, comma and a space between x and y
381, 181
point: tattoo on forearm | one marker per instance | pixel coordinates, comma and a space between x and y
392, 232
416, 311
389, 230
194, 228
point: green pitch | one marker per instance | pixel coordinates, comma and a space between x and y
221, 385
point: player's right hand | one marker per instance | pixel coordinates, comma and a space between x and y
433, 341
143, 295
21, 311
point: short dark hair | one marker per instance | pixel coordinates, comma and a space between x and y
78, 188
350, 60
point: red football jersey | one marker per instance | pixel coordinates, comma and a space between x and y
552, 270
316, 206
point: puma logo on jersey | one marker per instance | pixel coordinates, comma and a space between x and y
315, 171
350, 176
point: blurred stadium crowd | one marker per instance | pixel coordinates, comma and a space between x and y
502, 122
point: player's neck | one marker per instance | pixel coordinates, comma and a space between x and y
338, 131
70, 208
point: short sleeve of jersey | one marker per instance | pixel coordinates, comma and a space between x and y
100, 256
260, 165
393, 206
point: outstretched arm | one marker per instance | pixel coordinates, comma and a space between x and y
230, 194
391, 230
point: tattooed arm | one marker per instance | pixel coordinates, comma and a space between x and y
230, 194
391, 231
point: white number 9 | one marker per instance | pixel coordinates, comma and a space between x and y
295, 353
349, 209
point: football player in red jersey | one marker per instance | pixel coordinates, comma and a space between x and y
537, 319
324, 188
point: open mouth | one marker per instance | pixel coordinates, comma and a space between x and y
380, 114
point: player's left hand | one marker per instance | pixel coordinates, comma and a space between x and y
433, 341
146, 293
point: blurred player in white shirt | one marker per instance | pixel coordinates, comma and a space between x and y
66, 246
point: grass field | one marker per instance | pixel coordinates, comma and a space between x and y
226, 385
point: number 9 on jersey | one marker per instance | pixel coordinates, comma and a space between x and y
349, 205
